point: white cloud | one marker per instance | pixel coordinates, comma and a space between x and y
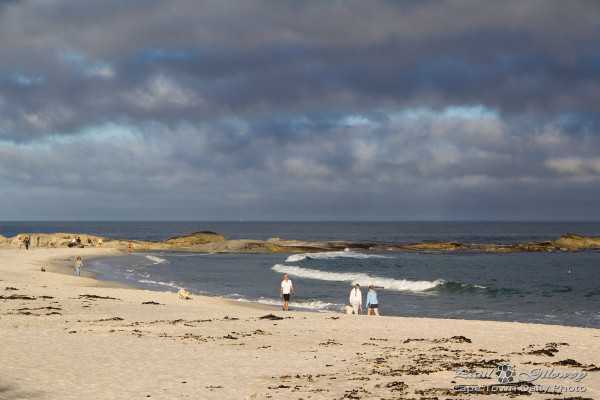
162, 91
584, 168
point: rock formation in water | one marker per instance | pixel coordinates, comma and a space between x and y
210, 242
276, 245
66, 240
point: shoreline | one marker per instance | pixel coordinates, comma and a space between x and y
68, 337
296, 306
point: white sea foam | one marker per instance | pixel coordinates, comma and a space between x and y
347, 253
157, 260
169, 284
362, 279
316, 305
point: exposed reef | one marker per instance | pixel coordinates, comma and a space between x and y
210, 242
66, 240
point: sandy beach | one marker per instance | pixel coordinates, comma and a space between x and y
69, 337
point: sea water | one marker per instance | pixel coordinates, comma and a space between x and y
543, 287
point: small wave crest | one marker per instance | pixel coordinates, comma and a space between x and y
156, 259
158, 283
458, 288
315, 305
401, 285
330, 255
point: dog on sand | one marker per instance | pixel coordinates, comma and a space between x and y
184, 294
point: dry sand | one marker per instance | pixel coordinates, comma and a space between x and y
69, 337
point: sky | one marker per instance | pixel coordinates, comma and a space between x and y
218, 110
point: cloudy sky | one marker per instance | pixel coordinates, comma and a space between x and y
299, 110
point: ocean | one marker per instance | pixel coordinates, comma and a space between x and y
543, 287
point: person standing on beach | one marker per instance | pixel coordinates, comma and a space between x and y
356, 299
78, 265
27, 243
372, 303
20, 242
130, 246
286, 287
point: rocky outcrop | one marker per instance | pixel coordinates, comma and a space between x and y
576, 242
210, 242
66, 239
276, 245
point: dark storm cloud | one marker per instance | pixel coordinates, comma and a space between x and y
404, 108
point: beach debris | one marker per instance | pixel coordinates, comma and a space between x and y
413, 340
16, 297
152, 302
569, 362
453, 339
548, 350
271, 317
93, 296
397, 386
330, 342
10, 288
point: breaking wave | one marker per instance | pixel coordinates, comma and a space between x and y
157, 260
331, 255
401, 285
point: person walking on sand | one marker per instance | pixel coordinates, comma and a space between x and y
27, 243
78, 265
130, 246
20, 242
356, 299
372, 303
286, 288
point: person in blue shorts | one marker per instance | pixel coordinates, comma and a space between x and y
372, 303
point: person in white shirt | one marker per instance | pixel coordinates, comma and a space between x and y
356, 299
286, 287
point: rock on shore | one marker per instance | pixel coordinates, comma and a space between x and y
65, 239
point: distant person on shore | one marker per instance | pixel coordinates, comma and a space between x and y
286, 288
78, 265
89, 242
100, 242
130, 246
372, 303
27, 243
20, 242
356, 299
